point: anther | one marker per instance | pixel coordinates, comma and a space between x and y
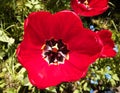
86, 3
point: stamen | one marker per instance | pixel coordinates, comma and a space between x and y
86, 3
55, 52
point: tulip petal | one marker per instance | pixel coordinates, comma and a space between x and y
107, 43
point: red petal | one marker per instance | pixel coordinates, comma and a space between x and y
36, 28
98, 3
107, 43
85, 43
66, 25
77, 65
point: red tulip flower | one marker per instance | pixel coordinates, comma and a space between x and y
57, 48
89, 7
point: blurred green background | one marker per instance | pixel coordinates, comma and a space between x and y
104, 75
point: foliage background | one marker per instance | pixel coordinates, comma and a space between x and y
104, 75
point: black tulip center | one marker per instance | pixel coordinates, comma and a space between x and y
55, 51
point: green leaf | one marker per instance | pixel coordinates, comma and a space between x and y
5, 38
22, 71
76, 91
2, 85
37, 6
10, 41
11, 90
112, 82
29, 5
2, 54
115, 77
85, 86
1, 75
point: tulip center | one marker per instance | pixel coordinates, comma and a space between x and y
55, 52
85, 2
